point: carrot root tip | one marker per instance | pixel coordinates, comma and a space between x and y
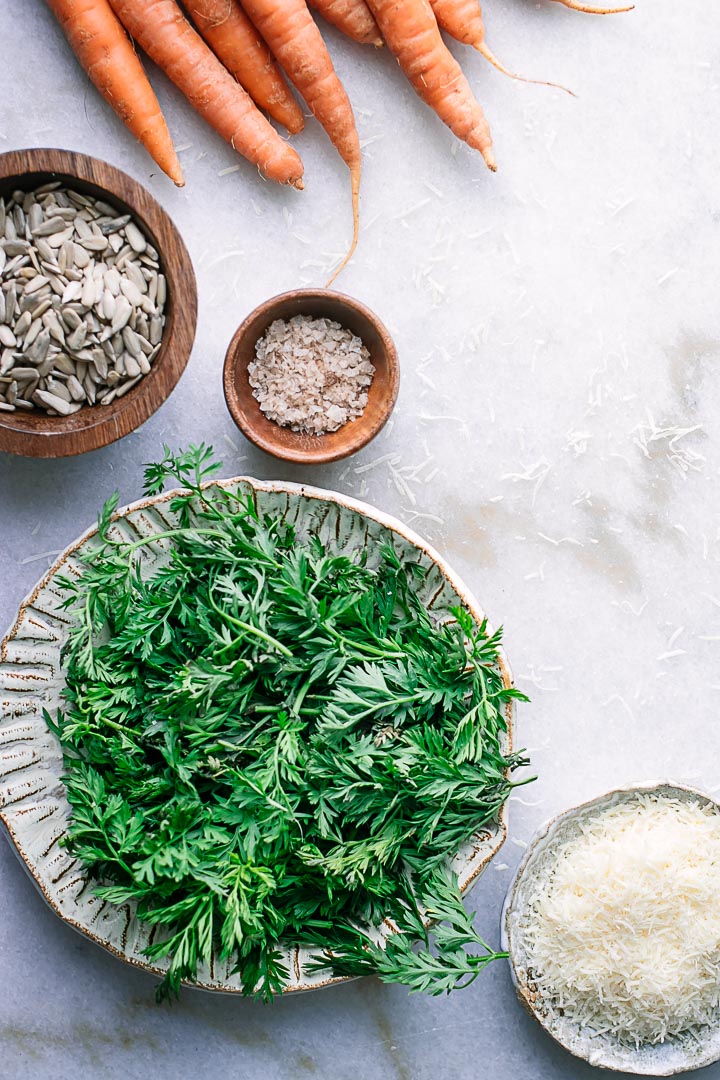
492, 59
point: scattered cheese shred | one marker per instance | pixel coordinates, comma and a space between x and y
623, 934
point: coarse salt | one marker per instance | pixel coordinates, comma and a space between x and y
311, 375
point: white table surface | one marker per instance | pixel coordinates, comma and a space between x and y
556, 438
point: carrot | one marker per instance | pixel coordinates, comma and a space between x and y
237, 44
462, 20
296, 42
411, 32
595, 10
164, 33
353, 17
106, 53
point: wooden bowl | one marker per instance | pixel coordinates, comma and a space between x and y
35, 434
289, 445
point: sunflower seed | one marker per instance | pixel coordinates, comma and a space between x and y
52, 401
26, 374
76, 340
156, 329
23, 324
132, 368
101, 365
131, 292
39, 348
16, 247
81, 227
59, 389
94, 243
51, 321
72, 292
50, 227
89, 388
81, 317
37, 283
87, 293
77, 199
11, 301
133, 272
123, 389
34, 215
75, 388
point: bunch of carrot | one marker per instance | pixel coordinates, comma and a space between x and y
230, 59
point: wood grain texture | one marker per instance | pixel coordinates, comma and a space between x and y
290, 445
34, 434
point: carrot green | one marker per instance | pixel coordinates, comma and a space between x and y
267, 744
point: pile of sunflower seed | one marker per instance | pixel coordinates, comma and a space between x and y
82, 301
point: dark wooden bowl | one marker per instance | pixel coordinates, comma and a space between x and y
34, 434
289, 445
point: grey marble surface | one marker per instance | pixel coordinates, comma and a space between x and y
556, 438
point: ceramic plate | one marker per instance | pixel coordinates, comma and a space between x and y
33, 804
604, 1051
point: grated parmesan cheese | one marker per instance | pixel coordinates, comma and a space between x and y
623, 935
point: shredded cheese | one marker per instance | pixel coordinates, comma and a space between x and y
623, 931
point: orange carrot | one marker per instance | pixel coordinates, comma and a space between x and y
353, 17
105, 52
411, 31
462, 20
295, 40
576, 6
237, 44
164, 33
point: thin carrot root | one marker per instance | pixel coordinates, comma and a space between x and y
355, 172
594, 10
463, 20
291, 32
490, 56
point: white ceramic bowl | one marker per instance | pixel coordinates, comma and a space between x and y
33, 805
603, 1051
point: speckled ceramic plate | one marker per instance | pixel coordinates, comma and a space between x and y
33, 805
603, 1051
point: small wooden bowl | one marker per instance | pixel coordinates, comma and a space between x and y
34, 434
289, 445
